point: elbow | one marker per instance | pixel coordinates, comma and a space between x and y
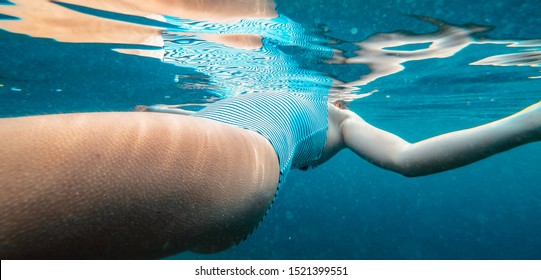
410, 174
406, 172
400, 167
407, 168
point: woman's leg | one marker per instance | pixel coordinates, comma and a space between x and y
129, 185
444, 152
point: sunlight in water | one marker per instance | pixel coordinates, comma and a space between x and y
246, 46
376, 51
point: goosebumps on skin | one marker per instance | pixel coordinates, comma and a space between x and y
147, 185
129, 185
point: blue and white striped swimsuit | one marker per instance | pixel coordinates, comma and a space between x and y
295, 124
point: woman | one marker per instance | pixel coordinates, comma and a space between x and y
147, 184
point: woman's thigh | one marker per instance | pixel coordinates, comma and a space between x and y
129, 185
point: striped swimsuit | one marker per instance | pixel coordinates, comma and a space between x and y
295, 124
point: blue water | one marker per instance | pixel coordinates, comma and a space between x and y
346, 208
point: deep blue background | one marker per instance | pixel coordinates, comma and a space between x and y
347, 209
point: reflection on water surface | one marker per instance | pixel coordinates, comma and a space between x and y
246, 46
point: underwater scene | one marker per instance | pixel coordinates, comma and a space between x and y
416, 68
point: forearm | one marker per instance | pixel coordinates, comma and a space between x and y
459, 148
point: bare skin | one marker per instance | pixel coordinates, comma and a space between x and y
444, 152
129, 185
47, 19
147, 185
433, 155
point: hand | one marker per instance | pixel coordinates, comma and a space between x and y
141, 108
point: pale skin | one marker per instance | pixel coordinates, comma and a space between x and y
148, 185
48, 19
151, 184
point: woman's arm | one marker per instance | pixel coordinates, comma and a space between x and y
443, 152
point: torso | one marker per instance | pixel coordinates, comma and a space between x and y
295, 124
